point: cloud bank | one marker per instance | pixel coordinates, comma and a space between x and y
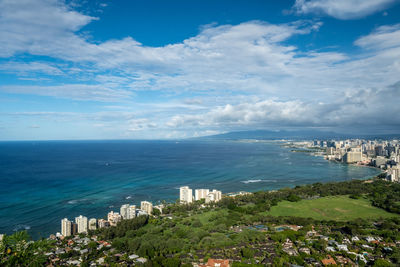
342, 9
227, 77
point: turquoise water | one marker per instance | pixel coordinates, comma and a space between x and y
43, 182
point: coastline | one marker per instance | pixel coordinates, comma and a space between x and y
322, 153
264, 161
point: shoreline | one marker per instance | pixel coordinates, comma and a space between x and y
238, 193
255, 187
297, 149
241, 193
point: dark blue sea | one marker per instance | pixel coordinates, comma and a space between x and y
43, 182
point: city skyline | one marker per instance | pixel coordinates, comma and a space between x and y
178, 69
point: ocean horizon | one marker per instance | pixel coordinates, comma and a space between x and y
43, 182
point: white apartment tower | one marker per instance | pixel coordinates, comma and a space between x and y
218, 195
93, 224
394, 174
113, 218
146, 206
124, 211
214, 196
200, 194
66, 227
82, 223
132, 212
186, 195
103, 223
128, 211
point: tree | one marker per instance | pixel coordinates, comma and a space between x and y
293, 198
382, 263
156, 212
247, 253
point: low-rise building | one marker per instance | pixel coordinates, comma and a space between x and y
328, 261
216, 263
305, 250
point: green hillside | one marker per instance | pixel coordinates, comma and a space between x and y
338, 208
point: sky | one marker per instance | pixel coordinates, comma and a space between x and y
171, 69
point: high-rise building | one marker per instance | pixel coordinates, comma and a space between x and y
200, 194
394, 174
66, 227
124, 211
214, 196
379, 161
185, 195
74, 228
93, 224
218, 195
128, 211
114, 218
379, 150
352, 157
330, 151
103, 223
82, 223
132, 212
147, 207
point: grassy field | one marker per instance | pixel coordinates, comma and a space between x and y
207, 217
339, 208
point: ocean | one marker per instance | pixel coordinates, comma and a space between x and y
42, 182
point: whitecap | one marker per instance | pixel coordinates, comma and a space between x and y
21, 227
77, 201
252, 181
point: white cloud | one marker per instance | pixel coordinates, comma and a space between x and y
140, 125
26, 69
72, 91
225, 77
342, 9
383, 37
360, 108
40, 27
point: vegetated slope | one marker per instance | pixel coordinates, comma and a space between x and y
337, 208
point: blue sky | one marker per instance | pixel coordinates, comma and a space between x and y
174, 69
